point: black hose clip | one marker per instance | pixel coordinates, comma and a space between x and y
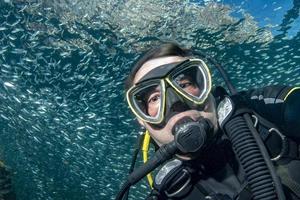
283, 138
284, 146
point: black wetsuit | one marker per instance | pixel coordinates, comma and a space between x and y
219, 175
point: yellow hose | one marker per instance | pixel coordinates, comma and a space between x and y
145, 149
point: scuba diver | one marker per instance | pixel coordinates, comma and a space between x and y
238, 146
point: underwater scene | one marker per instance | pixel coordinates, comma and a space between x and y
66, 132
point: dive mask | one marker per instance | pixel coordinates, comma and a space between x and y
190, 79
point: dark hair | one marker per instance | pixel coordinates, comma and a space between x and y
163, 50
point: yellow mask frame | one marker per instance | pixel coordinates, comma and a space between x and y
159, 118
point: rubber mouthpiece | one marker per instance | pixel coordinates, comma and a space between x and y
190, 136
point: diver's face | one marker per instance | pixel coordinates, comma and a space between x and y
164, 135
153, 98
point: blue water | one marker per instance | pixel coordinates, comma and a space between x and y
65, 129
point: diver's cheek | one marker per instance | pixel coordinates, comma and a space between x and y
206, 115
212, 116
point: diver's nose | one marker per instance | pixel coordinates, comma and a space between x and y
178, 106
174, 102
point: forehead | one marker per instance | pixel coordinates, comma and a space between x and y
154, 63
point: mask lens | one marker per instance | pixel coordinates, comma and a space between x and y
147, 101
192, 81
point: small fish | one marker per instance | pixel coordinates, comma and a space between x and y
39, 20
4, 117
16, 30
6, 66
12, 44
35, 138
29, 60
15, 23
3, 28
19, 51
48, 8
29, 91
33, 36
33, 44
39, 55
22, 118
8, 84
65, 54
278, 8
17, 100
22, 9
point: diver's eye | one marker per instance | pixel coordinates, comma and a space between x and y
154, 98
189, 87
153, 104
185, 84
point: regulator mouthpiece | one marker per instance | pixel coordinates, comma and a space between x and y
191, 136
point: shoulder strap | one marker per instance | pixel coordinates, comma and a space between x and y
289, 146
245, 193
264, 121
201, 189
291, 153
288, 181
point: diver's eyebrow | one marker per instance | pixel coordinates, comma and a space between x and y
183, 77
150, 92
156, 89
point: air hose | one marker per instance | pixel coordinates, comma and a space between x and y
260, 175
249, 148
164, 153
140, 140
189, 138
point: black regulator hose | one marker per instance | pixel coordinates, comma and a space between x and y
161, 155
134, 157
248, 146
259, 170
190, 137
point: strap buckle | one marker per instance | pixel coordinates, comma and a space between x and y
284, 140
284, 144
184, 179
255, 120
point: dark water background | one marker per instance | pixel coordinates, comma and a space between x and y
65, 130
